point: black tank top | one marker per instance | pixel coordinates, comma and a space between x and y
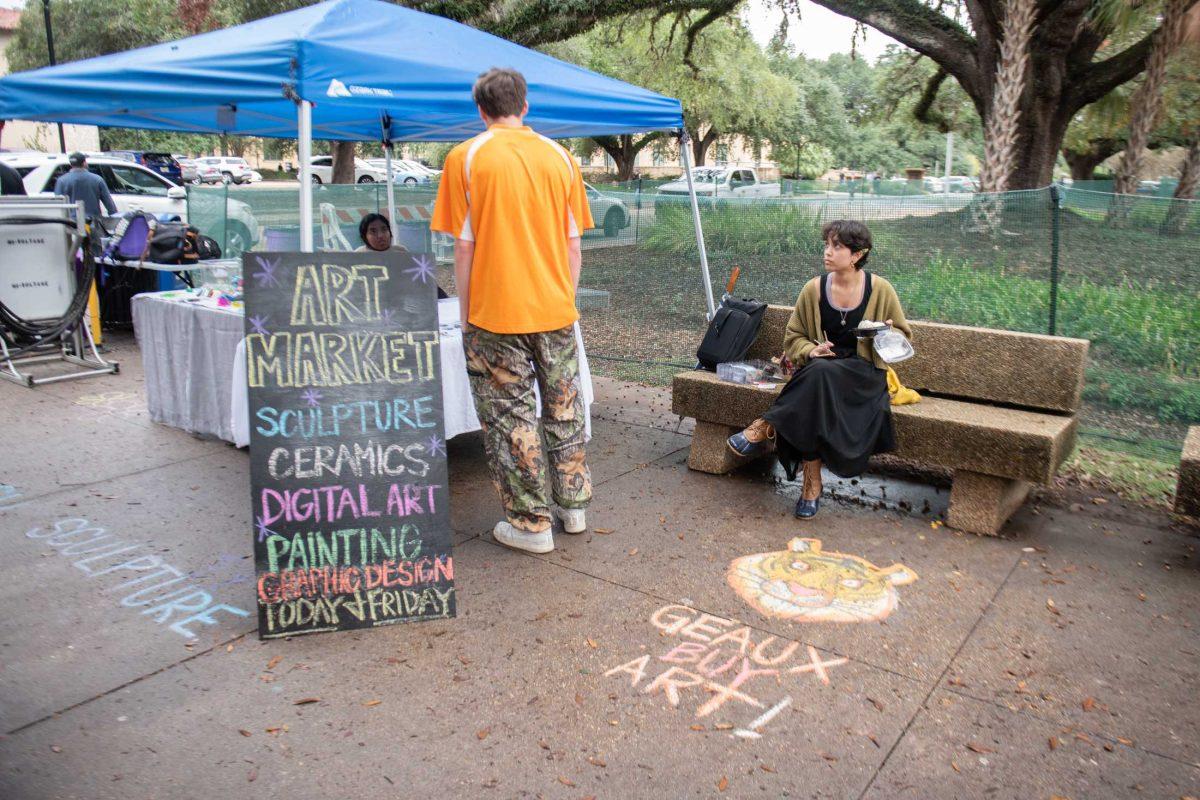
839, 325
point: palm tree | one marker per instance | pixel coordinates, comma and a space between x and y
1147, 99
1000, 133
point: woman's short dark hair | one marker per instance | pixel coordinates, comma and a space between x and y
851, 234
366, 223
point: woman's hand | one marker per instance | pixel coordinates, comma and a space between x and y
823, 350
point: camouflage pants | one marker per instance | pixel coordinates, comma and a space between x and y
503, 369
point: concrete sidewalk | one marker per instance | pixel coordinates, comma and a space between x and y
1060, 661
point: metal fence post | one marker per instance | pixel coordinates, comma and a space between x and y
225, 226
637, 218
1055, 241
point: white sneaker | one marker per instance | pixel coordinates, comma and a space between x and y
574, 520
517, 539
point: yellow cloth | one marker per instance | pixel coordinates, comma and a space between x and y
520, 197
901, 395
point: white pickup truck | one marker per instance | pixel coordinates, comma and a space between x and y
723, 182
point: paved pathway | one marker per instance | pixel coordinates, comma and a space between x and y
1062, 661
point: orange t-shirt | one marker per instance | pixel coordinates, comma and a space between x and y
519, 196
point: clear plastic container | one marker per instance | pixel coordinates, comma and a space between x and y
892, 347
742, 371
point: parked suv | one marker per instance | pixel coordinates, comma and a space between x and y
133, 188
233, 169
164, 164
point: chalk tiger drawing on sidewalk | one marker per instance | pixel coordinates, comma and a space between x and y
806, 584
723, 667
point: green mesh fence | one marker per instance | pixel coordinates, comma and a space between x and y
1121, 272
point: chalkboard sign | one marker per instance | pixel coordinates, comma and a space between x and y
347, 449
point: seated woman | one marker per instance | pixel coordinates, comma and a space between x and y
376, 234
835, 410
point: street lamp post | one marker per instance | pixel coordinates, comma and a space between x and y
62, 139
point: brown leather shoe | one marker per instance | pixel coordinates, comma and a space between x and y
757, 439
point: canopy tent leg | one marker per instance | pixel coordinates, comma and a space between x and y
304, 153
387, 152
684, 142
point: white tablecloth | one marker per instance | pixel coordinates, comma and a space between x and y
457, 404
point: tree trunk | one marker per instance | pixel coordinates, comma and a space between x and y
624, 150
1002, 128
700, 145
1064, 72
1083, 163
1147, 100
343, 162
1182, 203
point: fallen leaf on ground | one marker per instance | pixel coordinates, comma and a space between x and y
306, 700
1053, 609
1126, 742
828, 757
978, 748
954, 767
697, 727
244, 732
274, 662
544, 745
765, 768
274, 730
1053, 742
602, 531
874, 741
596, 762
633, 552
565, 781
592, 643
578, 699
878, 705
722, 784
55, 748
252, 775
723, 726
482, 733
1088, 703
228, 648
370, 703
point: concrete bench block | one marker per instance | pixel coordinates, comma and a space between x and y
1187, 493
710, 450
1006, 442
981, 504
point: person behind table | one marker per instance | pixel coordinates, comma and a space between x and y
515, 203
79, 183
835, 411
376, 235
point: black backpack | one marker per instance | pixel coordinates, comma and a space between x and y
207, 247
731, 332
174, 243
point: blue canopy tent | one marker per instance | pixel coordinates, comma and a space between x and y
361, 70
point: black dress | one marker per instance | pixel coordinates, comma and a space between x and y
835, 409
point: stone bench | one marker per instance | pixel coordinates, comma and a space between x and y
1187, 492
997, 408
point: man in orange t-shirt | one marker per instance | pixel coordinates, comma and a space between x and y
515, 204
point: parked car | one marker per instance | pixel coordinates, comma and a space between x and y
231, 168
162, 163
723, 182
187, 169
401, 172
960, 183
608, 213
933, 185
134, 188
417, 166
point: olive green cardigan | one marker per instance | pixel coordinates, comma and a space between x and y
804, 327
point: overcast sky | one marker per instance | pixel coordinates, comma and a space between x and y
816, 34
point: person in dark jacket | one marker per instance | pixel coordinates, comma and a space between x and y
80, 184
10, 181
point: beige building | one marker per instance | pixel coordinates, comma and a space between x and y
661, 159
19, 135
